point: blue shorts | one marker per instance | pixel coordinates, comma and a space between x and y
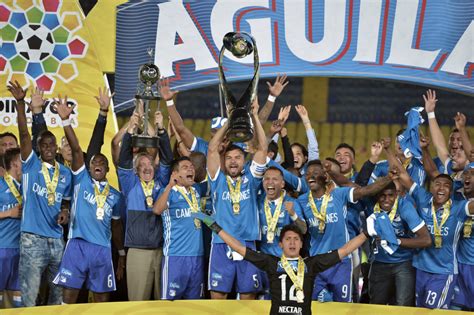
223, 271
464, 288
182, 277
9, 264
337, 280
434, 290
88, 263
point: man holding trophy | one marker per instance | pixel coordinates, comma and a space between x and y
234, 189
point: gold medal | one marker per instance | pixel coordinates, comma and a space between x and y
438, 241
236, 208
467, 231
149, 201
320, 215
100, 213
270, 237
197, 223
51, 199
193, 203
299, 296
13, 188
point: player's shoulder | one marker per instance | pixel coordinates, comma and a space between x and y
381, 163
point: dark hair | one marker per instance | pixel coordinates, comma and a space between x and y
446, 176
347, 146
8, 134
100, 154
291, 227
399, 132
45, 134
233, 147
274, 168
314, 162
273, 147
9, 156
333, 160
302, 147
175, 163
390, 186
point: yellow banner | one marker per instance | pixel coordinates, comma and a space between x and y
47, 43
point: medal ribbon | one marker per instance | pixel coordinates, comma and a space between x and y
272, 220
51, 184
193, 203
444, 217
234, 191
101, 197
467, 228
13, 189
393, 211
147, 187
297, 279
320, 215
406, 163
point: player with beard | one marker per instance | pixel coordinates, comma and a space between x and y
464, 290
325, 213
95, 217
276, 210
183, 234
392, 276
436, 266
291, 276
46, 195
234, 194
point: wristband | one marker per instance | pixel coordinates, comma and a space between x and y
399, 241
66, 122
294, 217
121, 252
271, 98
431, 115
216, 228
169, 103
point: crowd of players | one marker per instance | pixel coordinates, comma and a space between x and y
416, 211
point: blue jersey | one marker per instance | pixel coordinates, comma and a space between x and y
9, 227
204, 190
439, 260
199, 145
466, 246
446, 168
182, 236
415, 170
39, 217
245, 225
284, 219
143, 228
353, 213
335, 234
405, 223
84, 222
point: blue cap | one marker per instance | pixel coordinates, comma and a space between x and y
218, 122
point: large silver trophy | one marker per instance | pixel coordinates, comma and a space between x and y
148, 75
240, 127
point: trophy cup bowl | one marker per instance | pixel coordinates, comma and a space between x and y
148, 74
240, 127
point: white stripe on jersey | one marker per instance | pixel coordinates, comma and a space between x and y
459, 225
25, 195
444, 293
209, 265
167, 225
164, 279
72, 216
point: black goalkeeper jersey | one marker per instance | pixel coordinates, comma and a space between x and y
282, 289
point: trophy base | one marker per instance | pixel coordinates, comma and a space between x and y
147, 97
240, 125
239, 134
145, 141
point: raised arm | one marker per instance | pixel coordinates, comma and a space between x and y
126, 155
352, 245
428, 163
313, 149
167, 95
115, 143
363, 177
260, 156
64, 111
161, 204
275, 91
460, 120
39, 124
288, 158
97, 138
374, 188
436, 134
25, 140
213, 156
336, 175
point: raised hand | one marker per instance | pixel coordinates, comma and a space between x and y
278, 86
134, 122
283, 132
375, 151
165, 90
430, 101
394, 173
386, 142
16, 90
460, 120
301, 110
37, 100
159, 119
104, 99
284, 113
62, 108
289, 208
